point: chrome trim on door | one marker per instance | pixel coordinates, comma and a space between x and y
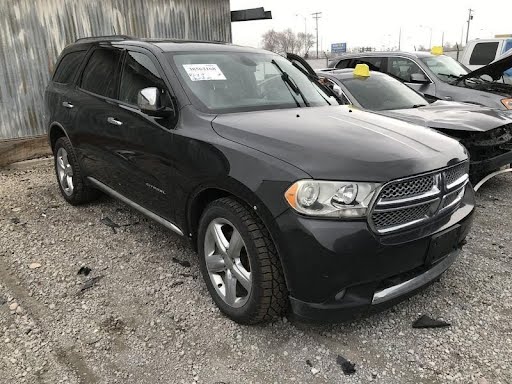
416, 282
98, 184
113, 121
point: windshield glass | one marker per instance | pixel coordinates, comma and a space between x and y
221, 82
380, 92
445, 68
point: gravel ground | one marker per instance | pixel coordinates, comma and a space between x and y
144, 314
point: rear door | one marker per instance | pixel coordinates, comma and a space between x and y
93, 100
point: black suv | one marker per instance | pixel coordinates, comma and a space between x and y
289, 198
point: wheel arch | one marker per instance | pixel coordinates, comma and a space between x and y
208, 193
56, 131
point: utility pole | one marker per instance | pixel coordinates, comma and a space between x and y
399, 38
442, 40
316, 16
470, 17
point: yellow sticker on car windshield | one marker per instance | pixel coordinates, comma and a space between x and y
201, 72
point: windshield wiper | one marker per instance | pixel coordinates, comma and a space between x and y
288, 80
450, 75
419, 105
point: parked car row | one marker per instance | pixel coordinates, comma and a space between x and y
292, 201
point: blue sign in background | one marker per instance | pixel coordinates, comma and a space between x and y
339, 47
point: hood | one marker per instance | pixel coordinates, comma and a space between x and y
494, 69
454, 116
341, 142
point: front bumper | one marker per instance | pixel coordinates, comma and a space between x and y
484, 167
339, 270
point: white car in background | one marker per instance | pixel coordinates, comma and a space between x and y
481, 52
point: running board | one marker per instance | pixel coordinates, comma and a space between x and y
144, 211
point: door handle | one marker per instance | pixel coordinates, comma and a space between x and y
67, 104
113, 121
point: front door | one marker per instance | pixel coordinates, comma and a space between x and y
144, 143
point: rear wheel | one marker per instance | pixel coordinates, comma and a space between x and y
239, 263
69, 175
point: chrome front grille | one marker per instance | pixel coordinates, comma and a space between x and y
415, 200
408, 188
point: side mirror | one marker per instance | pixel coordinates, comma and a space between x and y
337, 90
419, 78
151, 101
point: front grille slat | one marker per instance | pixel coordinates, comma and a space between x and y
418, 199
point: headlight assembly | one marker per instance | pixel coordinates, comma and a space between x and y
335, 199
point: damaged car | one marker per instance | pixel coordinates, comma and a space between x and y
485, 132
440, 77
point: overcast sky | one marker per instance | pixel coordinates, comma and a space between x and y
377, 23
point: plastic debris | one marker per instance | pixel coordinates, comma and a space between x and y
425, 321
347, 367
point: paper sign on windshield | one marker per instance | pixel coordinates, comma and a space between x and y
200, 72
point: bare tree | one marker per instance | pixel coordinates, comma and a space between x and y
307, 40
271, 40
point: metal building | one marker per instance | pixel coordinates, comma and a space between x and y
33, 33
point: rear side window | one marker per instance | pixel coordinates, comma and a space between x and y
374, 63
483, 53
343, 64
99, 75
139, 72
403, 68
67, 67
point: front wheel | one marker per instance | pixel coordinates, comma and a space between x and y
239, 263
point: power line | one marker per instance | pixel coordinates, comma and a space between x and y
316, 16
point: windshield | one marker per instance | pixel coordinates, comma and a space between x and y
222, 82
381, 92
445, 68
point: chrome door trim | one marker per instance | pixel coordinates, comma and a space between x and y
160, 220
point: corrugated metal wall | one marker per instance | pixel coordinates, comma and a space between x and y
33, 33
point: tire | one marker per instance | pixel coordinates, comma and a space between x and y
69, 175
250, 257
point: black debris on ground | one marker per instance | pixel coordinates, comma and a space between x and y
347, 367
15, 220
176, 283
109, 223
183, 263
84, 271
425, 321
308, 362
90, 283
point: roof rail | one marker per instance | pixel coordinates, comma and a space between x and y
101, 38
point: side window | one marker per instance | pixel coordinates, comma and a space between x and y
68, 66
343, 64
403, 68
508, 45
139, 72
483, 53
99, 75
374, 63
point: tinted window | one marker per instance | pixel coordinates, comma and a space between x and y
235, 81
381, 92
403, 68
483, 53
99, 73
68, 66
374, 63
343, 64
139, 72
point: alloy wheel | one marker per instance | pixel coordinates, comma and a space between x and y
227, 262
65, 172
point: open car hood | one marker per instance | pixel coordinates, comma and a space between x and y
494, 69
453, 116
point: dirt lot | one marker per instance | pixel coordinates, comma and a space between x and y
143, 314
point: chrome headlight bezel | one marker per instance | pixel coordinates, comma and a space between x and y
331, 199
